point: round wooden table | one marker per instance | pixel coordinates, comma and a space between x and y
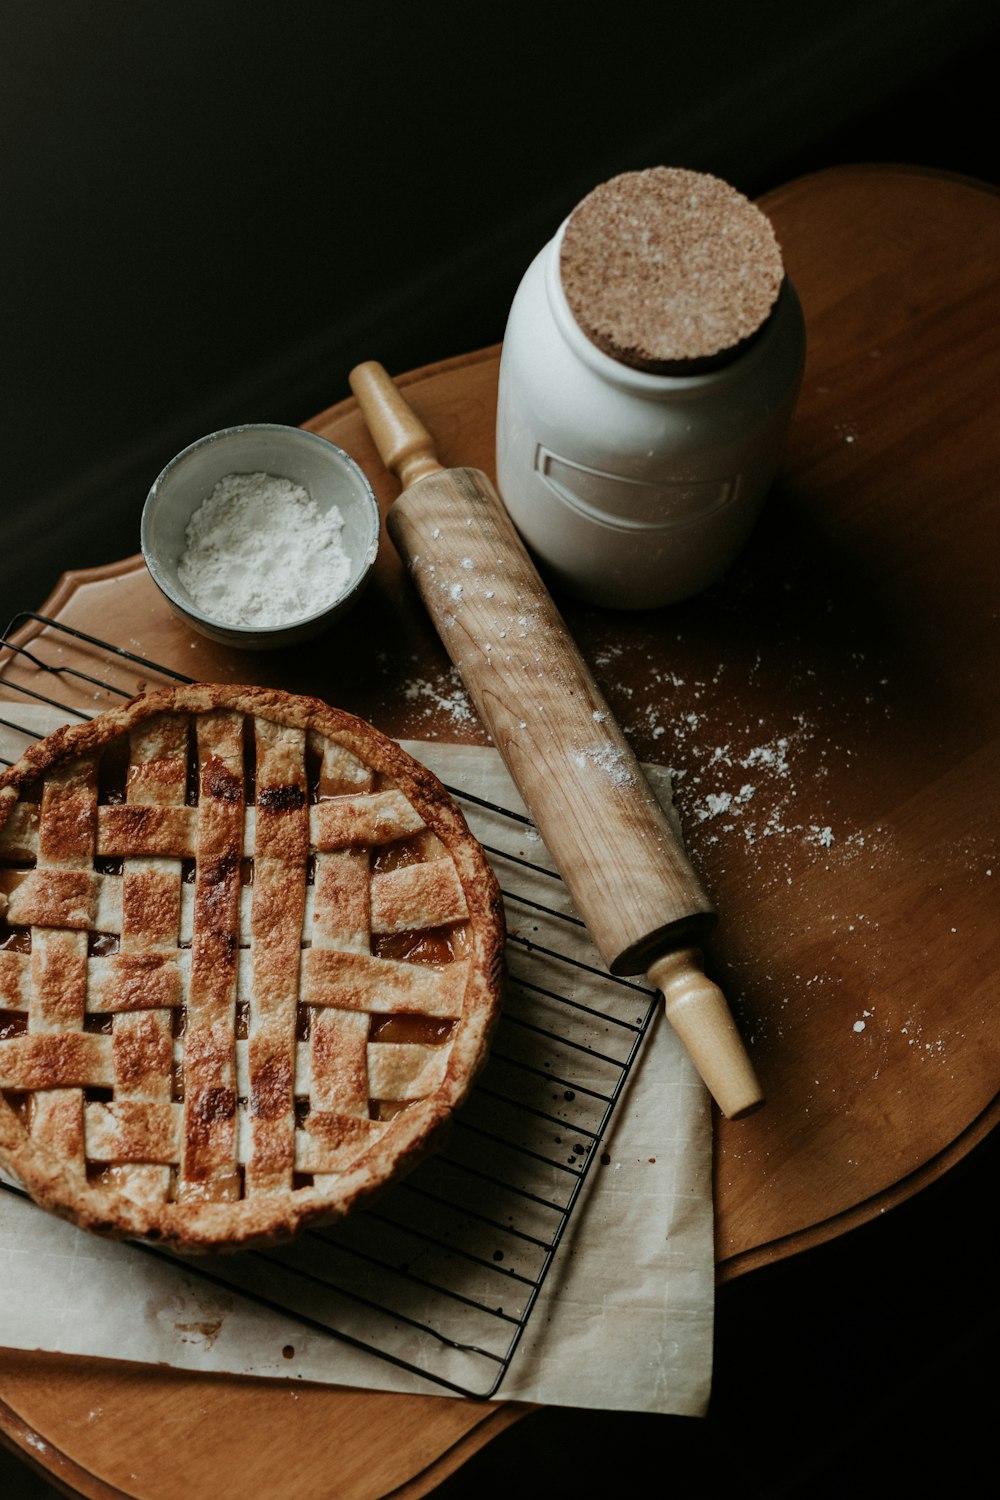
831, 711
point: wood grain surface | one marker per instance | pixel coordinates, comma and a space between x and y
831, 711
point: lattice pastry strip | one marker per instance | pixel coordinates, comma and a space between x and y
146, 983
250, 960
58, 966
277, 910
338, 1040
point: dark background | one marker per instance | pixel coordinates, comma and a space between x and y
210, 211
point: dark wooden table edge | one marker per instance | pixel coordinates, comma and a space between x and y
869, 1209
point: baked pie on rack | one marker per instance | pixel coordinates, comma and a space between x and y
250, 961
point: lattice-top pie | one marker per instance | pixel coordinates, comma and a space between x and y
250, 958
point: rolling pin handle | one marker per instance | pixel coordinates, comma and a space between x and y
698, 1012
403, 442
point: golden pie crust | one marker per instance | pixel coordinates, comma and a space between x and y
250, 961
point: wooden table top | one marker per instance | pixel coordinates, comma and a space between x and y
831, 713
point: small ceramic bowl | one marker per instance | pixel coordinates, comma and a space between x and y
328, 475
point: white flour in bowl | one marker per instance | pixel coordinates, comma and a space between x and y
260, 552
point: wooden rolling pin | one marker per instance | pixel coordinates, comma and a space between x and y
623, 863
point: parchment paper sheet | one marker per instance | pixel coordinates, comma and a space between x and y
624, 1319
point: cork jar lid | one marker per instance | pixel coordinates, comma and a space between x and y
668, 270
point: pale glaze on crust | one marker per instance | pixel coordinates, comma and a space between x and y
271, 1131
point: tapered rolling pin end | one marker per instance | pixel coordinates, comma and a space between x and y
403, 442
698, 1012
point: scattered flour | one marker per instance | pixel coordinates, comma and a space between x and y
260, 552
445, 696
608, 759
757, 788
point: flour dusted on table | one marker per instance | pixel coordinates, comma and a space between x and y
260, 552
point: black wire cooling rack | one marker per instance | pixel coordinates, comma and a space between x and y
441, 1276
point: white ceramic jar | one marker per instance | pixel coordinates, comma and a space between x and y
635, 490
